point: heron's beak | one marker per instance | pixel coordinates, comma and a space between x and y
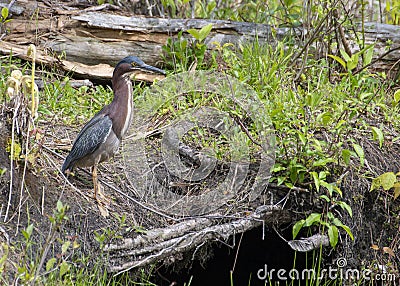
151, 69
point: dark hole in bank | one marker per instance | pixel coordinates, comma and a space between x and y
254, 257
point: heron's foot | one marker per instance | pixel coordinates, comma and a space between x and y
103, 201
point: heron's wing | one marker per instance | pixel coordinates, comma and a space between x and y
96, 118
93, 134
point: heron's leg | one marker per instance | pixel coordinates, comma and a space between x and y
102, 205
95, 181
98, 192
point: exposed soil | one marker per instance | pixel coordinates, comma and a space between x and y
44, 185
35, 190
375, 215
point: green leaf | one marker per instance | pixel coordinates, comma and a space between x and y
28, 231
325, 197
65, 247
396, 96
324, 117
386, 181
316, 180
195, 33
323, 162
204, 32
353, 62
346, 154
289, 185
347, 229
346, 207
59, 206
211, 6
396, 192
345, 56
332, 187
336, 221
201, 34
368, 53
360, 153
317, 145
333, 235
377, 134
4, 249
50, 264
281, 180
339, 60
277, 168
328, 186
340, 123
302, 137
4, 13
64, 268
337, 189
314, 217
296, 228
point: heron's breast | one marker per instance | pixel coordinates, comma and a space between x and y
109, 148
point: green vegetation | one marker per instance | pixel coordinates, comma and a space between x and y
73, 106
314, 110
70, 266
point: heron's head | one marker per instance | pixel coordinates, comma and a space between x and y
132, 64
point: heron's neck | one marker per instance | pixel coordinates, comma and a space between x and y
121, 111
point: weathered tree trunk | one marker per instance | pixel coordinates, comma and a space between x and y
90, 43
167, 242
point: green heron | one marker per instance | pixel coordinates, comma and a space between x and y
101, 136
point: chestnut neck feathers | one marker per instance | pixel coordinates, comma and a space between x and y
120, 110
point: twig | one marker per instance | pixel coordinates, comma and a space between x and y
42, 206
283, 187
23, 173
277, 232
244, 129
136, 201
65, 178
11, 4
195, 251
12, 160
49, 242
376, 60
341, 33
111, 187
237, 253
5, 234
313, 36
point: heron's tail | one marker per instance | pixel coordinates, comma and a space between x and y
66, 165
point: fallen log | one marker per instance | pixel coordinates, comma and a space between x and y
90, 43
163, 243
96, 72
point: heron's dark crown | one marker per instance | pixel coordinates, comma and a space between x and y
132, 60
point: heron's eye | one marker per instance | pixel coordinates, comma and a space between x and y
133, 64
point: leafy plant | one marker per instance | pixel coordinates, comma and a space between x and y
392, 9
387, 181
4, 16
187, 55
349, 63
